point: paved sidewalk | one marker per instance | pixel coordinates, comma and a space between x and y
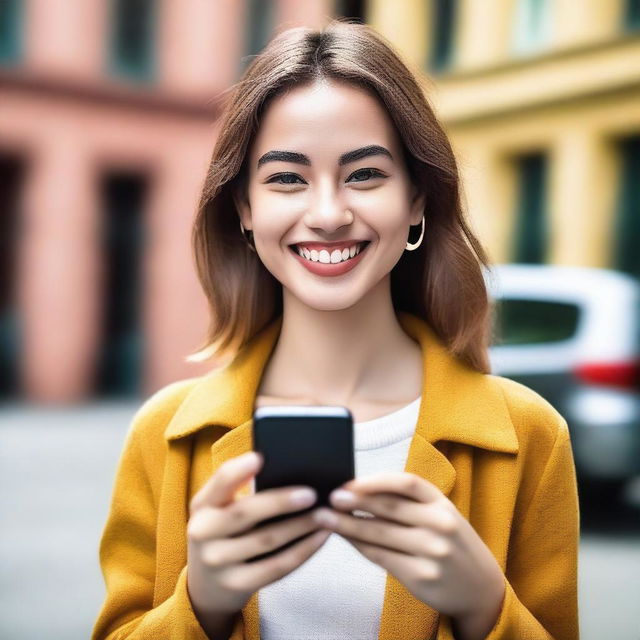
56, 473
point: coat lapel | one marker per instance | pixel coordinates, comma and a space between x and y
458, 404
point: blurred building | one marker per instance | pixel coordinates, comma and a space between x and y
107, 123
108, 117
541, 99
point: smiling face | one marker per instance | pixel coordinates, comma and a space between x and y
326, 172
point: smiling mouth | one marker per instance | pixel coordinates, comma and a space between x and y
325, 256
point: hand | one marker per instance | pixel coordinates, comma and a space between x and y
220, 538
427, 544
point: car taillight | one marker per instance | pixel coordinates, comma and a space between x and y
614, 374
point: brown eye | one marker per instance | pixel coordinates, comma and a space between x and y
367, 173
280, 179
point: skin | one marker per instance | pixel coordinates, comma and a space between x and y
340, 341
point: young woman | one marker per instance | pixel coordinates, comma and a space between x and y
332, 246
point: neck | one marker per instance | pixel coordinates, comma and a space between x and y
334, 357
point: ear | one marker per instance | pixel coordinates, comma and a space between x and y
418, 202
243, 207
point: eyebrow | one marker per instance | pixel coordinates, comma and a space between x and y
345, 158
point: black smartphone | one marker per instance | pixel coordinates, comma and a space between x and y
303, 445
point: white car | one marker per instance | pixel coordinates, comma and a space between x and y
573, 335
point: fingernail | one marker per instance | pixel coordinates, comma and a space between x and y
340, 496
248, 461
301, 497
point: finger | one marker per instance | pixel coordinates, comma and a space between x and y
406, 484
219, 490
394, 508
244, 514
224, 551
413, 541
404, 567
255, 575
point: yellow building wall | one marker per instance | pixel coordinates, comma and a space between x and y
574, 99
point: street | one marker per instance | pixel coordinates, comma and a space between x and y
56, 475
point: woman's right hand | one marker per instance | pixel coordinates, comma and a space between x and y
220, 538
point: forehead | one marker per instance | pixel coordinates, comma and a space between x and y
327, 116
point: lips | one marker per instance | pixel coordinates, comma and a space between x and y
329, 269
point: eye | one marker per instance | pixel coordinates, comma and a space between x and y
367, 173
280, 178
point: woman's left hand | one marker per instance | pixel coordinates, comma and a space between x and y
417, 534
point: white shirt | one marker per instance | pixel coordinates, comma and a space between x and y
337, 594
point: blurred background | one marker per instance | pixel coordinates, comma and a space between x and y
108, 116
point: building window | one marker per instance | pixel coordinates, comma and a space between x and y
443, 22
260, 25
132, 39
119, 367
530, 244
11, 181
353, 9
632, 14
532, 28
627, 252
10, 30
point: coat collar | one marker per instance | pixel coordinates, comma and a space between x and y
458, 404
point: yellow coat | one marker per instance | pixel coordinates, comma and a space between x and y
496, 449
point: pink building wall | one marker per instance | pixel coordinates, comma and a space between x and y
71, 122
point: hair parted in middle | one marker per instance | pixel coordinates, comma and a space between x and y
441, 281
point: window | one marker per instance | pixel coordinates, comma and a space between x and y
632, 14
627, 249
119, 369
11, 180
532, 28
530, 242
132, 39
260, 24
352, 9
442, 34
534, 321
10, 30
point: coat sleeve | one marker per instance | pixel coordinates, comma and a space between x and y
541, 591
128, 562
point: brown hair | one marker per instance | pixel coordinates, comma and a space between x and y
441, 281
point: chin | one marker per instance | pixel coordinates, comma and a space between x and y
327, 301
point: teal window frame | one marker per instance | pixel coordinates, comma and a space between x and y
259, 27
136, 65
531, 27
531, 229
627, 251
632, 15
443, 26
11, 31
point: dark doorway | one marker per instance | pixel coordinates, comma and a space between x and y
11, 182
119, 367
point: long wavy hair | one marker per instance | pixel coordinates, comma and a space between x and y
441, 281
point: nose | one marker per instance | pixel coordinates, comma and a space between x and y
327, 212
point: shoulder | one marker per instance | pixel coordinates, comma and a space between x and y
156, 412
534, 418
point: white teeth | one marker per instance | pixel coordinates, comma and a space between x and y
325, 257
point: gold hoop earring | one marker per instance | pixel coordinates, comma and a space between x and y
248, 238
413, 247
